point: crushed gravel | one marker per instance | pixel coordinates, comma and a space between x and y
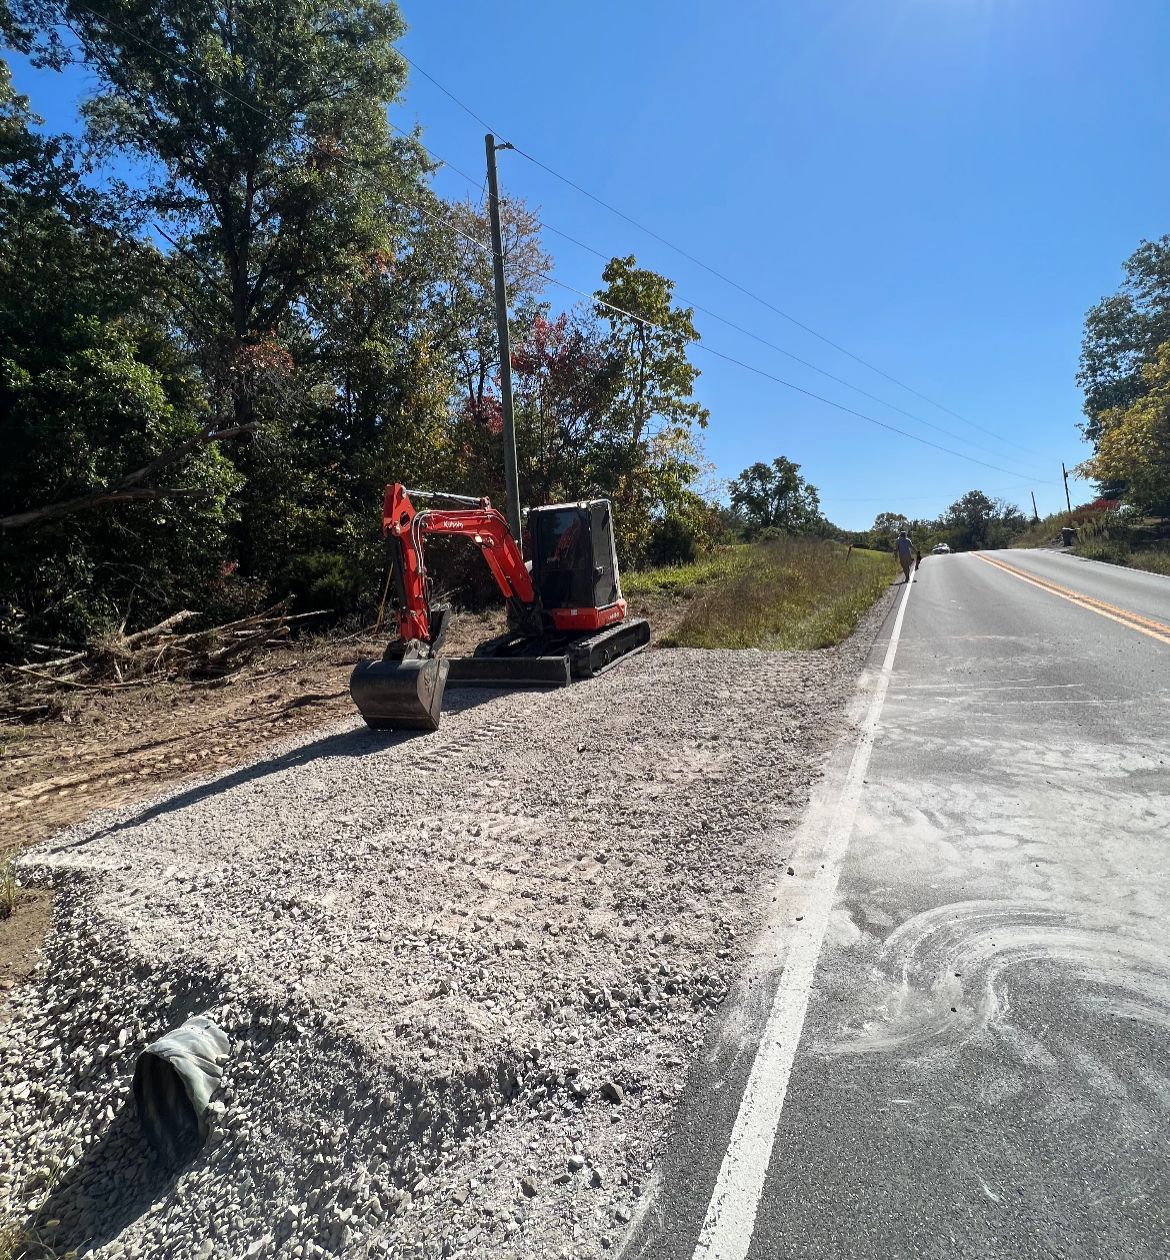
462, 973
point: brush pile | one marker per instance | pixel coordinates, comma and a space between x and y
33, 689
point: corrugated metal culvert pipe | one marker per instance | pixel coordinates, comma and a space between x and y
174, 1080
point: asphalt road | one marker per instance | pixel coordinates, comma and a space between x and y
978, 1058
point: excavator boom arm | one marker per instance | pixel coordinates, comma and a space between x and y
404, 527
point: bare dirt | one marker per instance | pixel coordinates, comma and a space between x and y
115, 747
462, 973
21, 934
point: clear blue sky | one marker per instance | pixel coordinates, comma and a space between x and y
940, 186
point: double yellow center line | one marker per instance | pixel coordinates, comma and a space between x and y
1143, 625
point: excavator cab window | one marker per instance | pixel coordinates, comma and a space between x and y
562, 557
573, 560
605, 572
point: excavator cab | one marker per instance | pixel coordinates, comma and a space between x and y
574, 558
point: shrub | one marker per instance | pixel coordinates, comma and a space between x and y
674, 540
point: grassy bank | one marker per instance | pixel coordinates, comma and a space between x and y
1143, 546
685, 580
1152, 559
1042, 533
791, 594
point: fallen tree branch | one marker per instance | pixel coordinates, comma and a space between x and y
120, 661
173, 620
129, 486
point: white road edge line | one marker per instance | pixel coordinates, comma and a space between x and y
731, 1215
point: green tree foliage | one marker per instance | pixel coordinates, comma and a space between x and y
1133, 445
651, 455
775, 496
976, 521
273, 265
267, 160
1123, 333
886, 526
93, 385
972, 522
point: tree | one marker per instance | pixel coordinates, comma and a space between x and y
886, 527
1123, 333
564, 377
466, 330
468, 292
1133, 446
976, 521
652, 453
776, 496
98, 405
268, 164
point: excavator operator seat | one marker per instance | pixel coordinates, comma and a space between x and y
574, 560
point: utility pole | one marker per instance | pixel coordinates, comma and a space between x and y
1035, 514
511, 480
1067, 500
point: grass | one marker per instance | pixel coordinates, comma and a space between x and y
21, 1242
1042, 533
8, 890
1116, 551
684, 579
1141, 545
792, 594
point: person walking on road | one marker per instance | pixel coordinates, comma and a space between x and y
904, 550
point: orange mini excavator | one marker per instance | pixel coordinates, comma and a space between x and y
566, 615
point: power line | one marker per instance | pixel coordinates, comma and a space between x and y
719, 275
472, 181
749, 367
446, 92
747, 332
251, 105
829, 497
808, 393
773, 307
579, 292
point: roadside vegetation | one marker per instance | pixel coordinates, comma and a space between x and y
1044, 532
1144, 546
8, 890
1125, 373
974, 522
788, 594
1110, 535
684, 580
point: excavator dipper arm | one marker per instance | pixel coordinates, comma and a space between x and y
405, 528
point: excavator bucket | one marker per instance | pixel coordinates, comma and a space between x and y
400, 695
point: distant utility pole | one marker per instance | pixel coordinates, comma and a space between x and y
511, 479
1067, 500
1035, 514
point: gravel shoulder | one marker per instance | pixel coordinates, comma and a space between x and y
462, 973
